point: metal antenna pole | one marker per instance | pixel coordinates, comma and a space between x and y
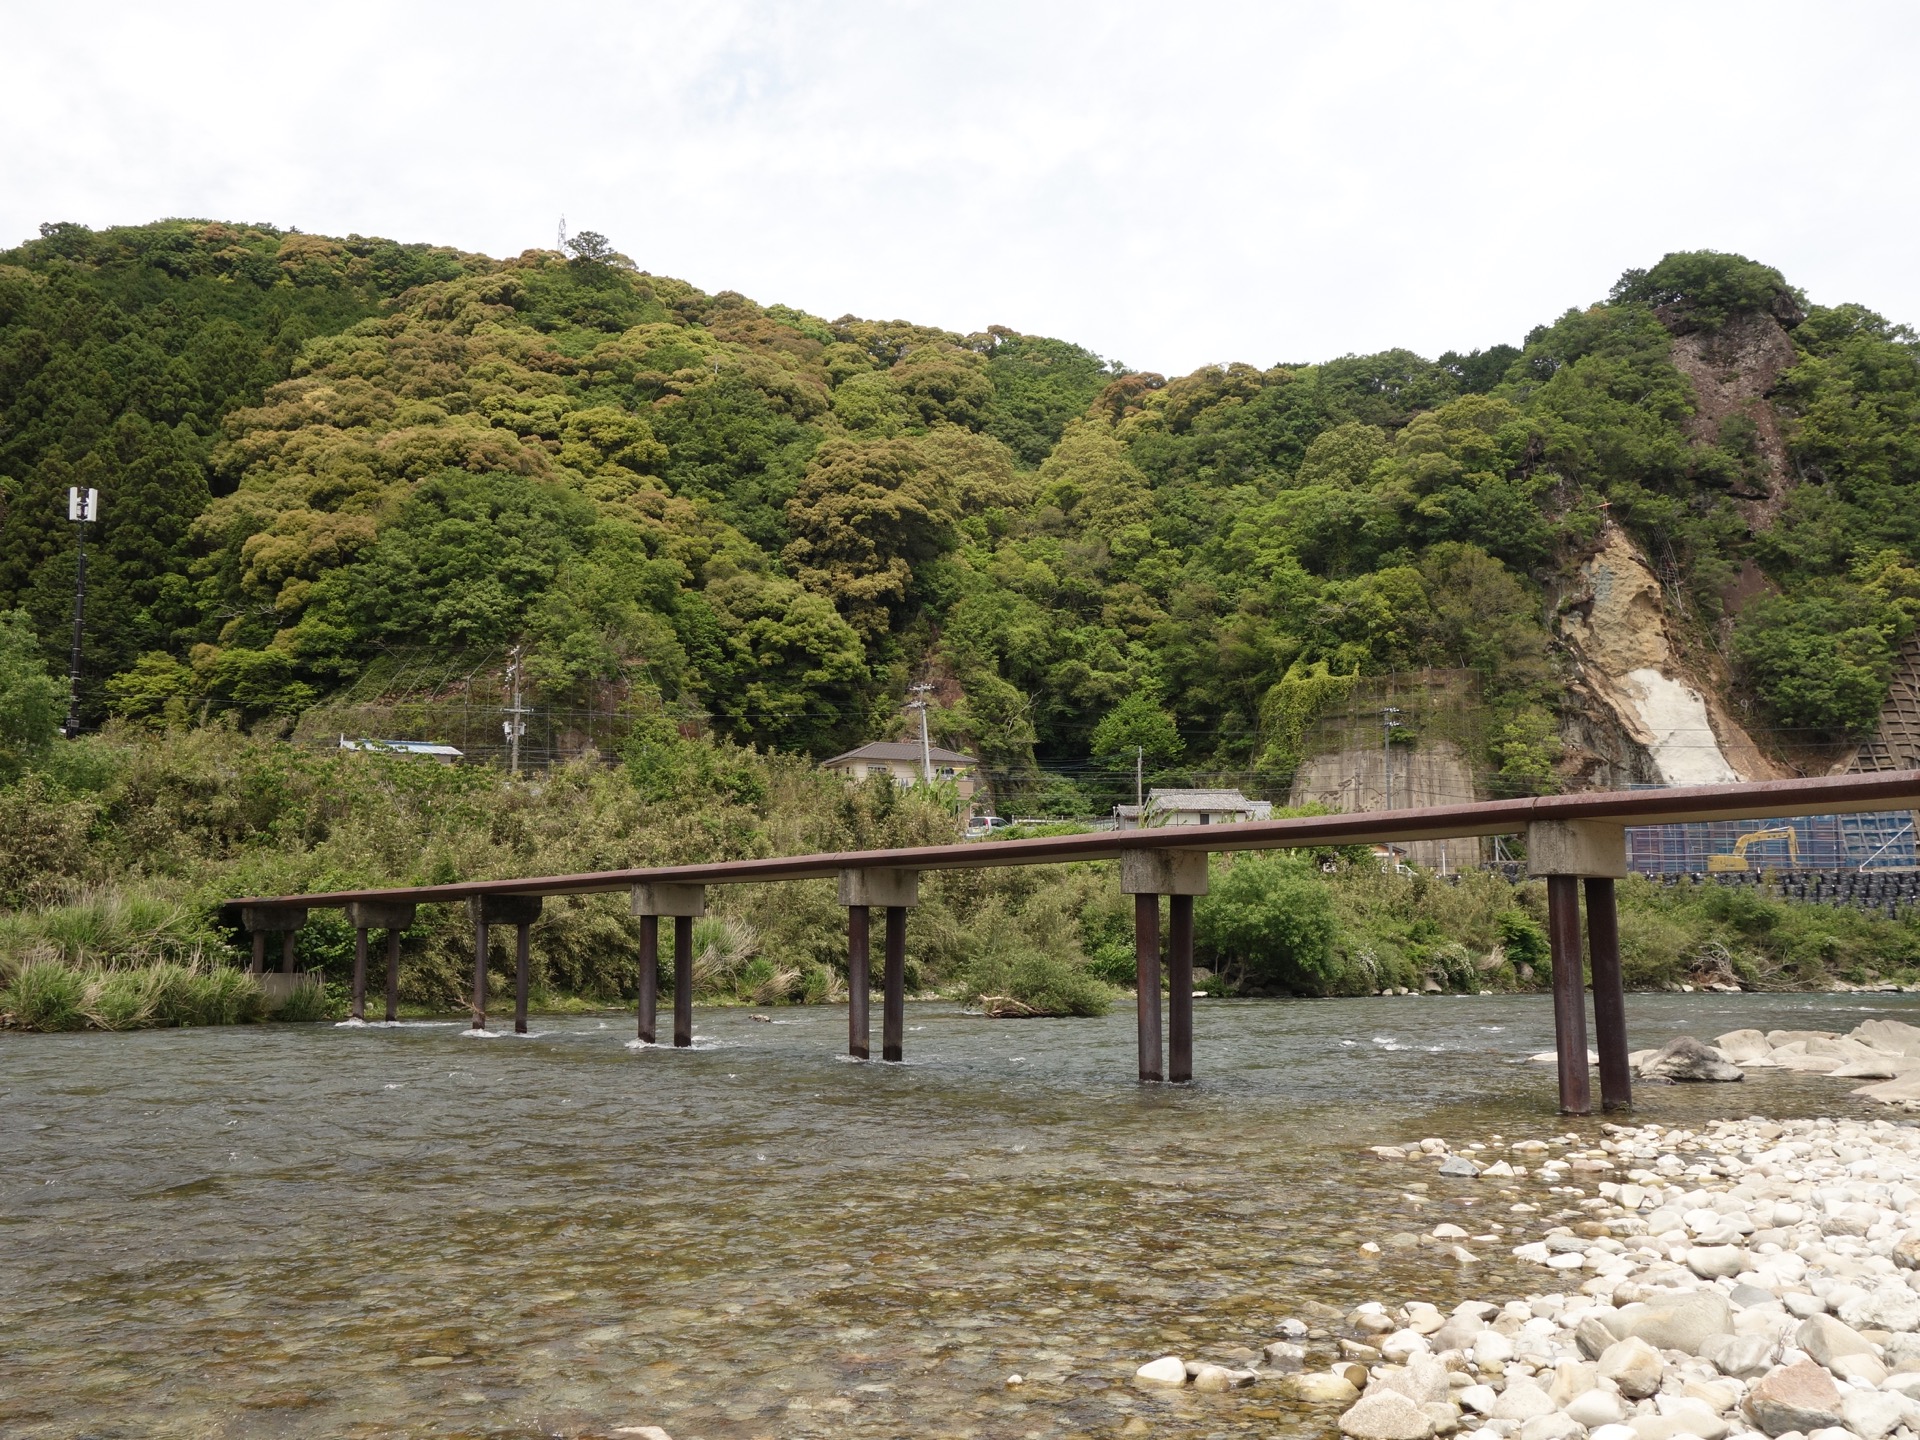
82, 506
515, 724
1387, 726
926, 747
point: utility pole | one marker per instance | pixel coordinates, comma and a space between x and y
514, 725
1139, 759
83, 507
1387, 726
926, 746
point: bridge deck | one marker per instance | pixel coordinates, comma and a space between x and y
1572, 855
1822, 795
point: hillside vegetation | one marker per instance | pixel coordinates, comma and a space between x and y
317, 454
745, 531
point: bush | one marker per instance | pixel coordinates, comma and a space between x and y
1272, 914
1034, 961
45, 996
48, 995
1038, 983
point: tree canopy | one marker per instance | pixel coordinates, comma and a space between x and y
319, 453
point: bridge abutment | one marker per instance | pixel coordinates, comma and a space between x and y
1566, 853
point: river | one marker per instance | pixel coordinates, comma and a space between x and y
319, 1231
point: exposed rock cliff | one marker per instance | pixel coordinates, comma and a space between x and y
1648, 718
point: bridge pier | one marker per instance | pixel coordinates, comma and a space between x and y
393, 917
897, 891
685, 904
516, 910
1180, 875
1564, 853
262, 919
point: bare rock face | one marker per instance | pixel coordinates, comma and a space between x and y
1799, 1397
1685, 1058
1733, 369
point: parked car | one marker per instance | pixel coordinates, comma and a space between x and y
981, 826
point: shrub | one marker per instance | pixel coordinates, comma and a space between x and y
45, 996
1272, 914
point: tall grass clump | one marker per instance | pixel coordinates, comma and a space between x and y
49, 995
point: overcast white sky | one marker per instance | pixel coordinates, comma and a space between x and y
1167, 184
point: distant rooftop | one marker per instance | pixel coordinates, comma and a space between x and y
404, 747
902, 750
1201, 800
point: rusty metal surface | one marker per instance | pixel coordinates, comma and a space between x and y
1569, 994
1146, 972
649, 975
1179, 987
859, 980
1765, 799
1609, 995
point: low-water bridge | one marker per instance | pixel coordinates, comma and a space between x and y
1573, 842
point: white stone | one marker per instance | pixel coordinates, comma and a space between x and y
1596, 1408
1167, 1370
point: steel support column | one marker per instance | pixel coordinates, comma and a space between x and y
859, 981
893, 1001
521, 966
1609, 996
1180, 987
1146, 970
359, 1010
649, 976
393, 975
479, 970
1569, 994
682, 982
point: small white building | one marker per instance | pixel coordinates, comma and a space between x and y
1191, 807
903, 762
425, 749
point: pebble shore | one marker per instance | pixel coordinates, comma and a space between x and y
1745, 1280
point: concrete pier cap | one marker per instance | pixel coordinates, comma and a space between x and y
380, 914
1592, 849
1163, 872
504, 909
677, 900
877, 887
267, 918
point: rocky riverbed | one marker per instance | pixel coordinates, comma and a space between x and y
1750, 1279
1885, 1053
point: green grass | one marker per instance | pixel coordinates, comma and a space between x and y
51, 996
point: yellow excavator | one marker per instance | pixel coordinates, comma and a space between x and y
1736, 861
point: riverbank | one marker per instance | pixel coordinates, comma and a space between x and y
1744, 1280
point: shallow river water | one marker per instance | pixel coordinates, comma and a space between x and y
317, 1231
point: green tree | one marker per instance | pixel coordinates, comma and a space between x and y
1270, 915
32, 702
1137, 725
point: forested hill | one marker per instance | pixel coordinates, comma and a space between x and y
315, 454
